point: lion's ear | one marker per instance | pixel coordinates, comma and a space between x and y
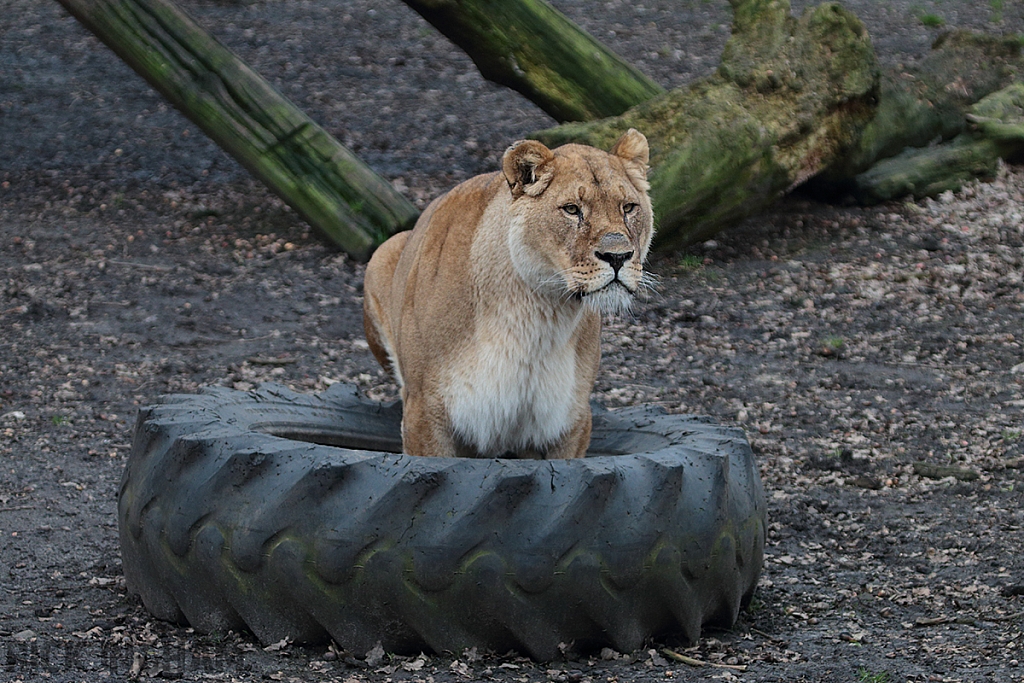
632, 147
527, 168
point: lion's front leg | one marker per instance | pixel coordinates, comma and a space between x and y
574, 444
426, 431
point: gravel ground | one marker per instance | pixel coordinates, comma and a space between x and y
873, 355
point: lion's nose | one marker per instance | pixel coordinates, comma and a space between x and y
614, 249
614, 258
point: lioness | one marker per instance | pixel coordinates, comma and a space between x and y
488, 310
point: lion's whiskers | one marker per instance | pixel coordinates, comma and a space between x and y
648, 284
557, 281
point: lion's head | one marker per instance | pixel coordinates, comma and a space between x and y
582, 221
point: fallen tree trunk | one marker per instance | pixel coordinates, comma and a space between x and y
921, 105
792, 100
531, 47
790, 97
328, 185
997, 132
928, 171
707, 140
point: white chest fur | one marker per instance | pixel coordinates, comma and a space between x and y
515, 386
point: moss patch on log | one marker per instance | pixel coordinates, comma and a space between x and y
1000, 116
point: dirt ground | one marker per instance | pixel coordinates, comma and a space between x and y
862, 349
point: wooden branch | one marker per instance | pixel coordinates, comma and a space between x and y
324, 182
691, 661
529, 46
933, 471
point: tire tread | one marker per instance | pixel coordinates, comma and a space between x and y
225, 524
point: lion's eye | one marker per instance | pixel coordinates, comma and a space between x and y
572, 209
629, 208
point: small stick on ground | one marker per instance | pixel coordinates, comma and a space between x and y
1005, 617
672, 654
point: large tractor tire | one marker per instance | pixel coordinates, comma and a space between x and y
295, 516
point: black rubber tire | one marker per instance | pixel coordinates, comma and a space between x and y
241, 510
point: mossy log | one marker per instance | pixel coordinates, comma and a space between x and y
791, 96
1000, 116
328, 185
531, 47
996, 132
928, 103
928, 171
793, 99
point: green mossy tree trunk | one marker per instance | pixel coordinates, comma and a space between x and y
920, 105
793, 99
790, 97
328, 185
995, 131
529, 46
